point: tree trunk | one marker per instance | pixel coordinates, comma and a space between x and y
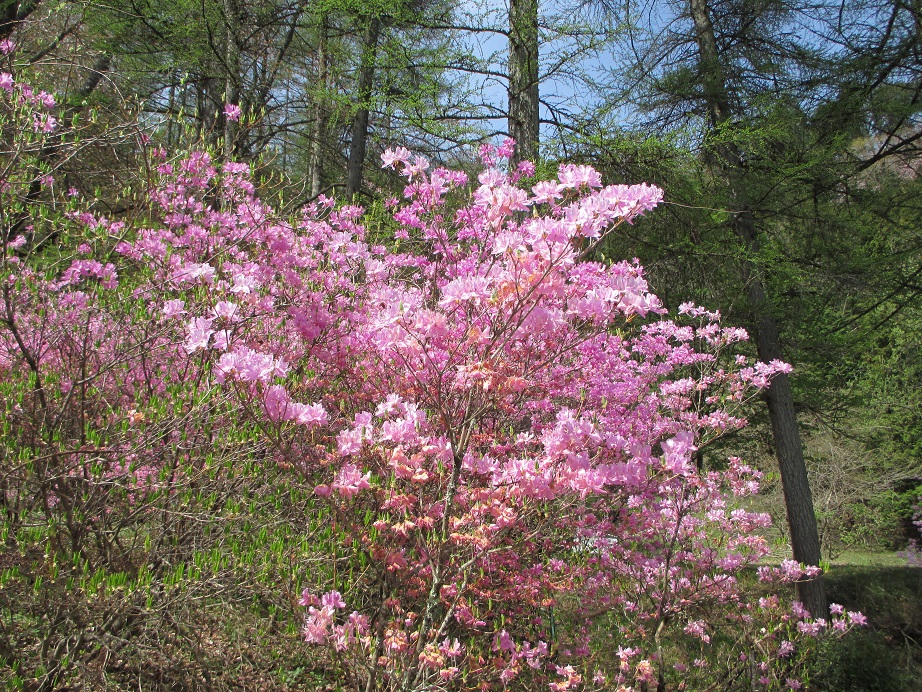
232, 74
360, 121
171, 106
785, 429
523, 78
13, 13
319, 125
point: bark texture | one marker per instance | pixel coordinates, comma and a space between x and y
232, 76
523, 78
319, 126
360, 121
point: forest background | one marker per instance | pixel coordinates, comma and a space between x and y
785, 135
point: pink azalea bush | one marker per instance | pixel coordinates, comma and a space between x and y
502, 435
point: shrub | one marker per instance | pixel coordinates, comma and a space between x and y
470, 444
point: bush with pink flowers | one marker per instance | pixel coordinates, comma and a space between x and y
475, 449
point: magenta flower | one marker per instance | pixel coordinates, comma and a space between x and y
232, 112
44, 123
45, 99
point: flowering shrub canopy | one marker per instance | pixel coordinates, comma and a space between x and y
502, 433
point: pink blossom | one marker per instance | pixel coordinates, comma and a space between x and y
476, 288
452, 649
545, 191
307, 414
697, 629
226, 310
503, 641
232, 112
45, 99
574, 176
43, 122
857, 618
277, 402
526, 168
200, 332
351, 481
173, 308
249, 366
308, 599
391, 157
507, 149
333, 599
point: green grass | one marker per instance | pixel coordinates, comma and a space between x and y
857, 558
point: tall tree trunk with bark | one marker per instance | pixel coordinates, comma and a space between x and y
785, 429
232, 73
523, 77
319, 126
360, 121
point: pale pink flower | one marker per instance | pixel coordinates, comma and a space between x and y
172, 308
226, 310
526, 168
391, 157
200, 332
476, 288
333, 599
506, 149
574, 176
308, 414
857, 618
351, 481
545, 191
